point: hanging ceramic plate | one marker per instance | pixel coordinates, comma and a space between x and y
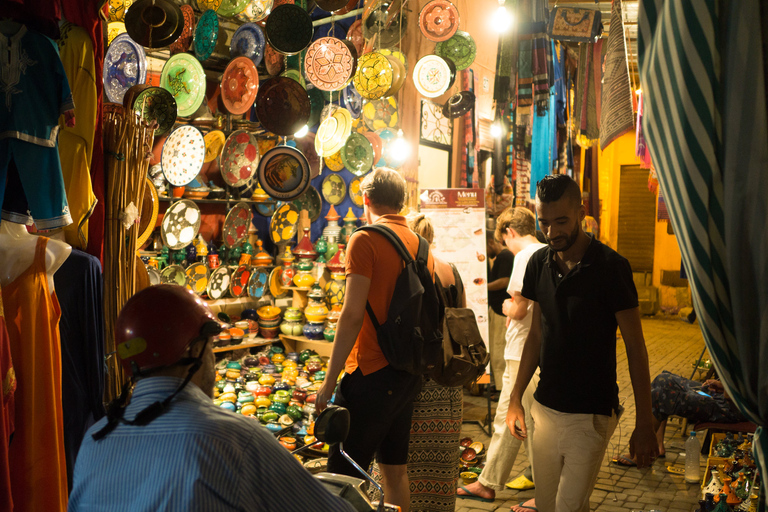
156, 104
239, 85
379, 114
204, 5
439, 20
295, 74
154, 276
181, 45
459, 104
357, 154
218, 284
355, 36
330, 63
174, 274
130, 95
310, 201
114, 29
375, 25
283, 225
239, 158
398, 75
125, 65
256, 10
433, 75
388, 159
197, 278
460, 49
376, 143
235, 229
284, 173
206, 35
276, 288
351, 4
282, 106
352, 101
334, 189
334, 162
316, 101
358, 126
181, 223
230, 8
239, 283
333, 132
183, 155
374, 76
248, 41
117, 9
355, 192
265, 209
389, 52
289, 29
214, 143
306, 145
154, 23
148, 216
184, 78
273, 60
258, 282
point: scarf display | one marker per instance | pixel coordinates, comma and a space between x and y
617, 115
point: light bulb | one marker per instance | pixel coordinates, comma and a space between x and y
304, 130
400, 148
502, 20
496, 130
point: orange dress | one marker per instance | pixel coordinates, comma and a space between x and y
7, 393
36, 454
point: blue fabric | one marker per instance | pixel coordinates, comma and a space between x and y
543, 146
195, 457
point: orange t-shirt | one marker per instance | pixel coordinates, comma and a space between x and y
373, 256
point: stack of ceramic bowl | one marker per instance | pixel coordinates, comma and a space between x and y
292, 325
269, 321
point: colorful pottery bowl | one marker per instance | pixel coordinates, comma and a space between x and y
468, 477
268, 312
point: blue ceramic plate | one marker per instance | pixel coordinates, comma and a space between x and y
125, 65
352, 101
248, 41
206, 34
257, 284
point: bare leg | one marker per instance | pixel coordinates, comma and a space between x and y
659, 427
394, 480
525, 507
477, 489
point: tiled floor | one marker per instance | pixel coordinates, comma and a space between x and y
673, 345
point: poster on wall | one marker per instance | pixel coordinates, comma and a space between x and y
458, 216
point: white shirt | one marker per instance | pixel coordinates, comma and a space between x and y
517, 330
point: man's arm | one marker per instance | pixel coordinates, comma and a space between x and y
351, 320
498, 284
516, 308
529, 361
643, 445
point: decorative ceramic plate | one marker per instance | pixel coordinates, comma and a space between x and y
117, 9
289, 29
204, 5
282, 106
248, 41
265, 209
131, 93
180, 224
374, 76
114, 29
284, 173
352, 101
330, 63
376, 143
183, 155
295, 74
218, 284
174, 274
351, 4
239, 85
206, 35
231, 8
154, 23
355, 192
358, 126
273, 60
459, 104
187, 34
154, 276
310, 201
156, 104
306, 145
276, 288
439, 20
239, 283
214, 143
125, 65
334, 189
381, 114
316, 101
432, 76
183, 76
236, 224
283, 225
460, 48
148, 215
334, 162
197, 277
357, 154
398, 75
258, 282
239, 158
374, 25
256, 10
355, 36
333, 132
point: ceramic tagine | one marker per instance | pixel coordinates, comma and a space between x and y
262, 258
304, 248
321, 247
334, 289
329, 333
350, 225
288, 270
331, 232
304, 277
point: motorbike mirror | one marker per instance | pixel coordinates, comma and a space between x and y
332, 426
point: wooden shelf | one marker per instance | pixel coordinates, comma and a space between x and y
299, 343
230, 301
217, 201
260, 342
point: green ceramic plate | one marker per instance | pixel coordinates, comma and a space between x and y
357, 154
184, 78
206, 35
460, 48
232, 7
310, 201
334, 189
156, 104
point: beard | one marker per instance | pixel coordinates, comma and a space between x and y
565, 242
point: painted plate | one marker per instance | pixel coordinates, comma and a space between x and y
334, 189
284, 173
352, 101
197, 278
125, 65
156, 104
154, 276
333, 132
374, 24
258, 282
355, 192
284, 222
439, 20
295, 74
182, 44
310, 201
334, 162
117, 9
459, 104
316, 101
214, 143
203, 5
183, 155
276, 288
154, 23
306, 145
218, 284
282, 106
432, 76
399, 75
239, 158
114, 29
248, 41
379, 114
265, 209
357, 154
206, 34
236, 224
148, 215
256, 10
376, 143
184, 78
239, 85
181, 223
289, 29
174, 274
239, 282
230, 8
355, 36
373, 77
274, 61
461, 49
330, 63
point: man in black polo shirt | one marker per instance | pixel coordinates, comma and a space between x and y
581, 290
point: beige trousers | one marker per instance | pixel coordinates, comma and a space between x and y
497, 327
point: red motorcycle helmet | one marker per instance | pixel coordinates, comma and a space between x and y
157, 325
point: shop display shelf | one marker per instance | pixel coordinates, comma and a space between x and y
299, 343
217, 201
231, 301
258, 342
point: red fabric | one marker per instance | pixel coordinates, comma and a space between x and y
7, 392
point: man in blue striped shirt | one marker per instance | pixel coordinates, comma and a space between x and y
171, 449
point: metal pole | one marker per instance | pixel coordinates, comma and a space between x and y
332, 18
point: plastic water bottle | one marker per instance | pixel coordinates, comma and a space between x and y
692, 449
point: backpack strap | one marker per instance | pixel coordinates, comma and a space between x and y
458, 283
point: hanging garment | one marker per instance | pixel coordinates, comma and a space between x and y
39, 478
616, 114
7, 393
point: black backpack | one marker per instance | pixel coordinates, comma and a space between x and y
411, 337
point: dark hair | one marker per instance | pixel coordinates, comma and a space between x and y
553, 188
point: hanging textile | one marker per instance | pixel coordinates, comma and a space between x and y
468, 151
587, 104
7, 393
641, 146
705, 121
617, 115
